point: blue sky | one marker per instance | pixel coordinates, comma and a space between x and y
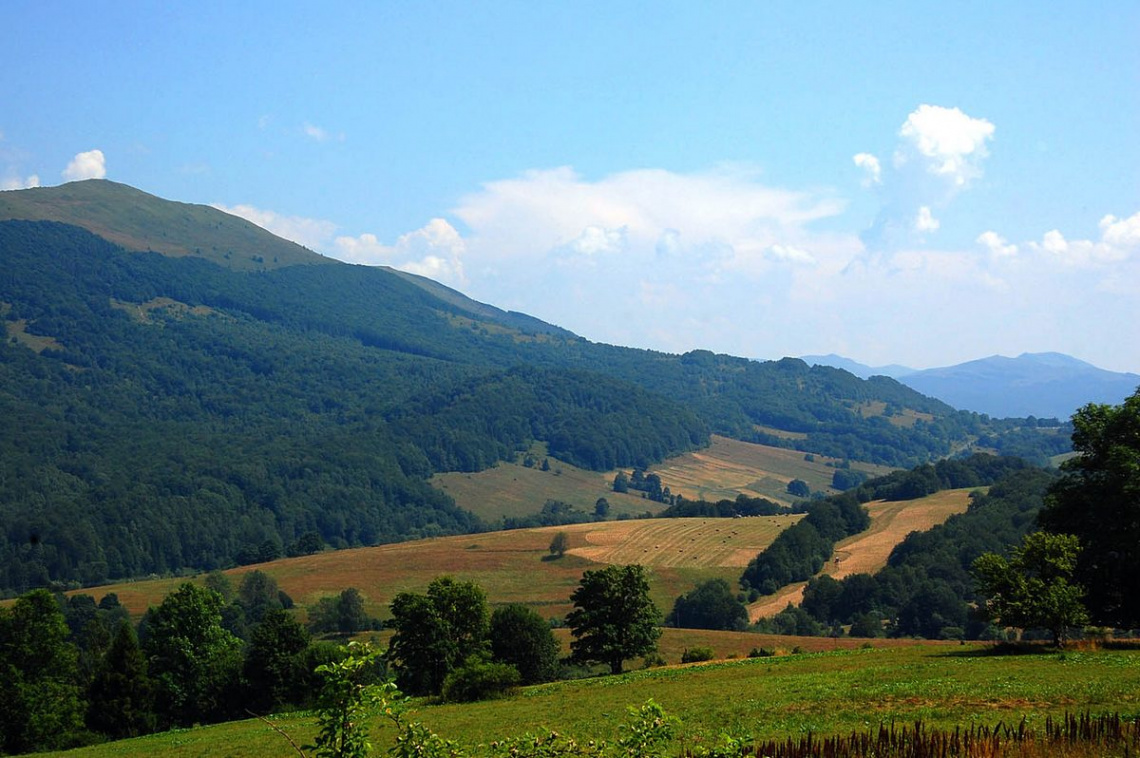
915, 183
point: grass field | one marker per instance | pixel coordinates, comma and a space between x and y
511, 489
785, 696
512, 566
867, 552
728, 468
723, 470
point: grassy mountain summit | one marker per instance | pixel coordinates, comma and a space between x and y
173, 411
139, 221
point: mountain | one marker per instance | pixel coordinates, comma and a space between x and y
182, 390
860, 370
1046, 385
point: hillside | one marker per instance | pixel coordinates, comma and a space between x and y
139, 221
181, 409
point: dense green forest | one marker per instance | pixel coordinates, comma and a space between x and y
167, 413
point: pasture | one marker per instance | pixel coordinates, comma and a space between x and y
723, 470
944, 685
512, 566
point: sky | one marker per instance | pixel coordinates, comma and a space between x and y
911, 183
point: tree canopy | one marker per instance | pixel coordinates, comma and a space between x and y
1098, 499
613, 617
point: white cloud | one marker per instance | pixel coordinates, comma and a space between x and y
871, 165
436, 251
314, 132
320, 134
1119, 241
790, 253
940, 152
996, 244
945, 142
16, 182
925, 221
314, 234
89, 165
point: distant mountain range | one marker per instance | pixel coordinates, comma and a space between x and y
1045, 385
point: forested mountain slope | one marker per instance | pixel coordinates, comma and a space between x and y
200, 406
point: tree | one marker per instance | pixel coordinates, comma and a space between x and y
601, 508
276, 663
258, 595
40, 707
559, 544
799, 488
711, 605
1035, 587
613, 617
1098, 500
193, 660
342, 614
436, 633
121, 695
522, 638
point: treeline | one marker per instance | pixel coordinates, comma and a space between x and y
77, 671
927, 589
741, 506
800, 551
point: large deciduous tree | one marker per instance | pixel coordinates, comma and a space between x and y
613, 617
436, 632
1035, 587
40, 707
1098, 500
193, 660
522, 638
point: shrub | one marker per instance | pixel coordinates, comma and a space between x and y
761, 652
479, 679
697, 654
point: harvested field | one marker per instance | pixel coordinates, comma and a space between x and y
867, 552
702, 542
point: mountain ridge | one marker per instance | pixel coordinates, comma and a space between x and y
1043, 385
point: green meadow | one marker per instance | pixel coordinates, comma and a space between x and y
824, 693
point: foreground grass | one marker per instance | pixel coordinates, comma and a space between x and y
786, 696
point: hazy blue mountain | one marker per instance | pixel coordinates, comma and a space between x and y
1045, 385
861, 370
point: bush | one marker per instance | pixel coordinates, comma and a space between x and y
697, 654
761, 652
479, 679
653, 660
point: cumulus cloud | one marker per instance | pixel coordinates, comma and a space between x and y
925, 221
13, 181
319, 133
1119, 241
311, 233
870, 164
436, 251
997, 245
89, 165
940, 152
945, 143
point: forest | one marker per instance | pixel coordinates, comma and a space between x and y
171, 414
